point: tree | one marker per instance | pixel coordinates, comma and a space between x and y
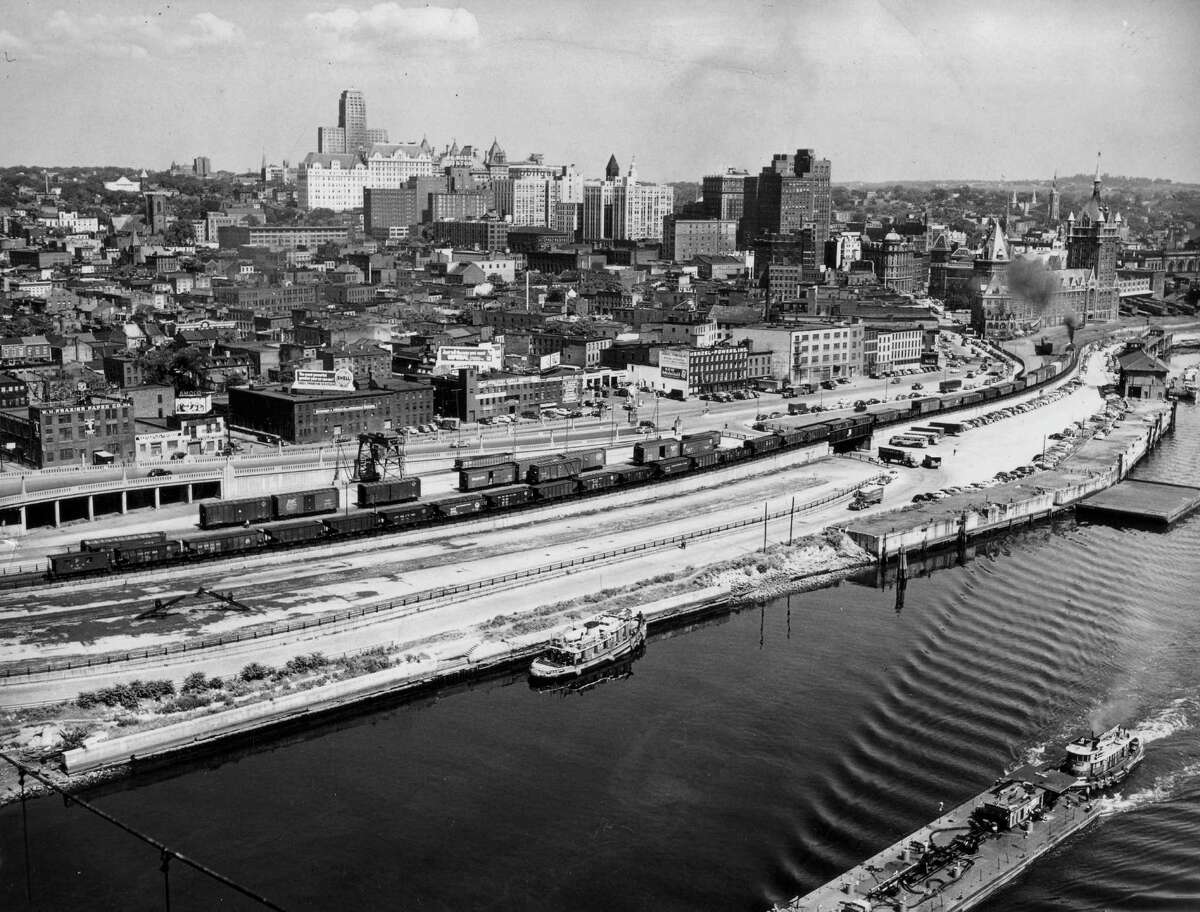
179, 233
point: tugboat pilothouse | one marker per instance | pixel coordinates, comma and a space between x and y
1101, 761
599, 640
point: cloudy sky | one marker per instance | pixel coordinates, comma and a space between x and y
887, 89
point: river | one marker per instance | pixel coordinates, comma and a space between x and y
741, 762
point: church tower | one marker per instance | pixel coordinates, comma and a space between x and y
1055, 211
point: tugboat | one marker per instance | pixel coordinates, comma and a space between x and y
595, 642
1101, 761
966, 855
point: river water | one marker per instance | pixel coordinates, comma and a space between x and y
741, 762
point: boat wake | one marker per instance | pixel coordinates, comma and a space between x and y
1171, 719
1164, 788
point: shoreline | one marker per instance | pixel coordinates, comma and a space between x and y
165, 744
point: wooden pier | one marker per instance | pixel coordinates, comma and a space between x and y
1154, 502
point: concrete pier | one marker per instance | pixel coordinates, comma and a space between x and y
1141, 501
1096, 465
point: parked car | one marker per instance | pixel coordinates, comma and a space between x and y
158, 473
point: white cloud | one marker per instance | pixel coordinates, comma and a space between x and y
392, 27
139, 37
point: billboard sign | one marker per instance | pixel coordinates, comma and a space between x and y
193, 403
340, 380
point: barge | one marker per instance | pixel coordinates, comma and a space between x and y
966, 855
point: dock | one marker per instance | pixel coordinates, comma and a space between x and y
1096, 466
1154, 502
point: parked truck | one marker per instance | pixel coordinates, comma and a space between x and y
866, 497
893, 454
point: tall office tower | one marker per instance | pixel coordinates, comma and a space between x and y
622, 209
201, 166
724, 195
352, 133
792, 193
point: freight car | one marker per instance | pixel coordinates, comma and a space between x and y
675, 466
302, 531
146, 554
400, 490
122, 541
646, 452
554, 490
553, 468
760, 445
224, 543
503, 498
407, 515
79, 563
493, 476
352, 524
304, 503
459, 506
705, 460
235, 512
481, 460
598, 480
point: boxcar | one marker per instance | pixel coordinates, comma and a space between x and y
400, 490
952, 402
226, 542
696, 447
480, 460
597, 481
460, 506
501, 498
407, 515
675, 466
473, 479
235, 512
591, 459
713, 437
305, 503
552, 490
1005, 389
553, 469
304, 530
352, 523
136, 555
122, 541
972, 398
649, 451
924, 406
78, 563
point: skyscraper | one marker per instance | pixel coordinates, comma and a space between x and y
622, 209
792, 193
352, 133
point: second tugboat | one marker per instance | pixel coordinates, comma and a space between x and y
599, 640
965, 856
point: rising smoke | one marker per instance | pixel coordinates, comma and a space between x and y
1032, 282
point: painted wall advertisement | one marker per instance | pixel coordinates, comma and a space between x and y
193, 403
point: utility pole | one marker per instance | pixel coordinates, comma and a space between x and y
792, 521
764, 525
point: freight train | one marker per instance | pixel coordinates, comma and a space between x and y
488, 484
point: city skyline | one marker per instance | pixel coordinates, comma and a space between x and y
888, 91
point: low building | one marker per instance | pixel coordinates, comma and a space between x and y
471, 396
685, 239
324, 417
890, 347
194, 437
280, 237
684, 372
14, 393
94, 430
1143, 376
808, 352
366, 360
